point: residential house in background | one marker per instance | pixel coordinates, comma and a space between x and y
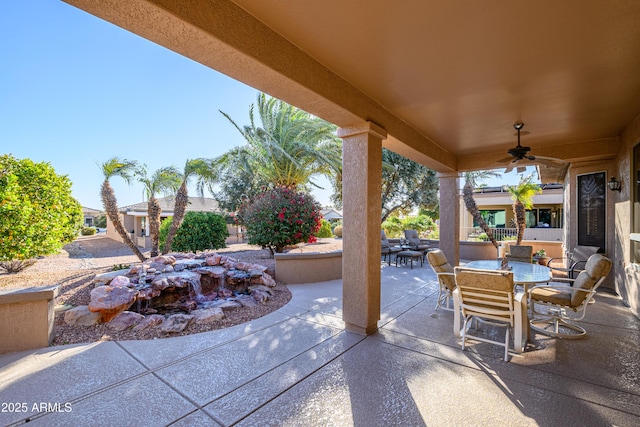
331, 214
135, 219
90, 215
544, 220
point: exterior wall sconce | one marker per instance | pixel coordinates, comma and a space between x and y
614, 184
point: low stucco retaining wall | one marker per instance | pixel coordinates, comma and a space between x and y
27, 318
485, 250
308, 267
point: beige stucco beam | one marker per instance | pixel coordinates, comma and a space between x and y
599, 149
223, 36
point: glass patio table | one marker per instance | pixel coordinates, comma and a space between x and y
524, 274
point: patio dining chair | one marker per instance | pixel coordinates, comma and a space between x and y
446, 278
387, 249
520, 253
557, 305
413, 240
573, 263
486, 296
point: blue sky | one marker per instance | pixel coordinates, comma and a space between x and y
76, 90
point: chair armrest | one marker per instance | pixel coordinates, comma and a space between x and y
561, 288
444, 273
555, 259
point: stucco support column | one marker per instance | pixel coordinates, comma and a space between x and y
362, 210
450, 216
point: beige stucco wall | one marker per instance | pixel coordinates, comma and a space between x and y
308, 267
27, 318
625, 271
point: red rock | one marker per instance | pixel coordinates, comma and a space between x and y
120, 281
125, 320
149, 321
208, 315
165, 259
213, 260
111, 301
81, 316
176, 323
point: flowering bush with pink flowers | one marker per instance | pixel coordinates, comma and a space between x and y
281, 217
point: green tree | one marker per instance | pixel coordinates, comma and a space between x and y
471, 180
201, 231
200, 170
406, 185
164, 180
325, 229
125, 169
281, 217
38, 214
522, 196
100, 221
287, 150
234, 187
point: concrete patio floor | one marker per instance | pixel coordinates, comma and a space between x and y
298, 367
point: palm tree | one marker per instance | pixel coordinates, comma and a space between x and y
125, 170
522, 196
288, 150
162, 181
470, 181
196, 168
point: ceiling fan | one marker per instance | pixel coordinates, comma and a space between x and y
520, 158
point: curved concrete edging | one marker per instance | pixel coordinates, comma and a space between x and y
308, 267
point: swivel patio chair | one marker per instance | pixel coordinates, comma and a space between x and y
556, 305
520, 253
387, 249
486, 296
416, 244
446, 278
573, 263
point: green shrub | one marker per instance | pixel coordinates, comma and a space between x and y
165, 224
325, 229
280, 217
38, 214
200, 231
100, 221
392, 227
88, 231
338, 231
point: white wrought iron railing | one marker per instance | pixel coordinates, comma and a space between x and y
476, 234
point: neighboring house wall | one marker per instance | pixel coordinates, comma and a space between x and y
550, 200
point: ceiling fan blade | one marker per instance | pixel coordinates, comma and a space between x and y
504, 161
551, 162
510, 167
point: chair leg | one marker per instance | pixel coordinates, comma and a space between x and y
506, 345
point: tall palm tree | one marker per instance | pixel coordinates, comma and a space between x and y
470, 182
193, 168
125, 169
164, 180
288, 149
522, 196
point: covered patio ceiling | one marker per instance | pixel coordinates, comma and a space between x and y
446, 79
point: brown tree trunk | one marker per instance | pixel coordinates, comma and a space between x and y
153, 212
182, 200
520, 213
111, 206
472, 208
